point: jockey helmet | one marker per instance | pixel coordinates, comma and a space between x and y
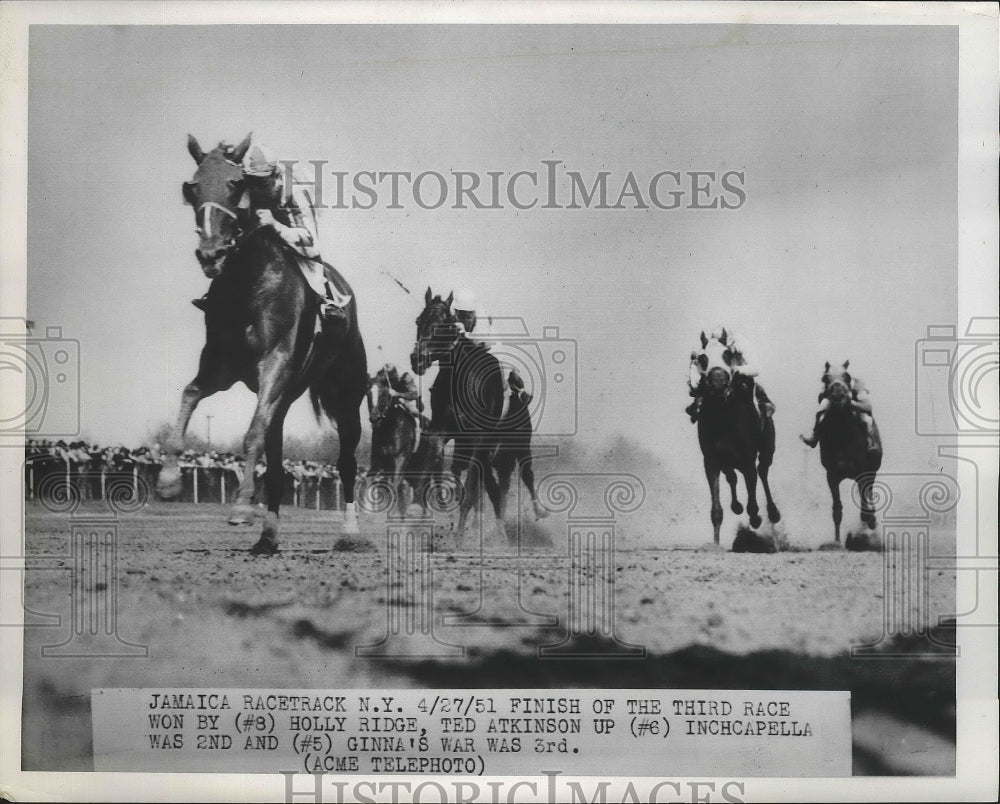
464, 300
260, 162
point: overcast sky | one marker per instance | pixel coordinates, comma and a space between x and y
844, 248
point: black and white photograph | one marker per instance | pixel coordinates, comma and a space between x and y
602, 402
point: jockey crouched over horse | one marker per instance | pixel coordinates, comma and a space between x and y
276, 318
735, 421
401, 447
850, 446
489, 425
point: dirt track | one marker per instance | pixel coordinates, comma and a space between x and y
212, 615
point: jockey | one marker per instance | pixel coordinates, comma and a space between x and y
292, 216
738, 351
861, 406
464, 306
404, 390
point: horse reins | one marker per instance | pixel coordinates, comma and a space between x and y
207, 217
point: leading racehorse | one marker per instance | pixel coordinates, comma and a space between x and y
844, 449
261, 329
733, 434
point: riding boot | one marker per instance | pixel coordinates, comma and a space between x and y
693, 409
201, 303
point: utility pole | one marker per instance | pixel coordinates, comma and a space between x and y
209, 439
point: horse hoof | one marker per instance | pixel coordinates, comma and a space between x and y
737, 508
773, 514
264, 547
756, 521
168, 485
242, 515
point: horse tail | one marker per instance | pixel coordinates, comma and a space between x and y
322, 401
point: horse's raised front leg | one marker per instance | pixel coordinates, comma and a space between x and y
212, 377
735, 505
712, 473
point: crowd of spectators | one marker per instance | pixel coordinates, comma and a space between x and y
81, 457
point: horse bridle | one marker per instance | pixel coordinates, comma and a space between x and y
241, 236
207, 217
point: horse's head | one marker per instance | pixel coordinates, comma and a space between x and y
716, 360
214, 193
436, 332
837, 384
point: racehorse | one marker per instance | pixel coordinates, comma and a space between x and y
733, 434
515, 449
261, 329
466, 401
843, 447
394, 437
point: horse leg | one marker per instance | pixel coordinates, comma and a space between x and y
504, 465
866, 484
274, 483
274, 380
749, 473
470, 492
773, 514
347, 415
838, 509
398, 483
712, 473
212, 377
493, 492
528, 478
731, 480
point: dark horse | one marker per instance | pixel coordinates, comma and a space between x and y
844, 449
261, 329
395, 451
515, 450
733, 434
467, 400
